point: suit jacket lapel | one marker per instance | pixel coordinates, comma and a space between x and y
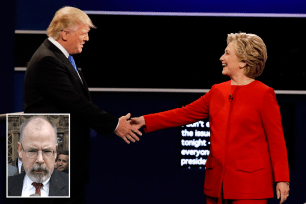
85, 85
56, 184
15, 189
64, 59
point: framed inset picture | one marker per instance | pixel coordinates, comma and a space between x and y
38, 155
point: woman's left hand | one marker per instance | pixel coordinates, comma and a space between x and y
282, 191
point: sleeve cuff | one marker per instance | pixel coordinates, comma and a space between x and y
116, 126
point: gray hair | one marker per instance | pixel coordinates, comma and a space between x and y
26, 122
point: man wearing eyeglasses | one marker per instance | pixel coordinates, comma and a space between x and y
37, 148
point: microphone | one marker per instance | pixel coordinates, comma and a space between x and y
230, 98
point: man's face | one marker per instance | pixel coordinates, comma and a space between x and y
62, 162
38, 135
75, 40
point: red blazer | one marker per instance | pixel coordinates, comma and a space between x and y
247, 140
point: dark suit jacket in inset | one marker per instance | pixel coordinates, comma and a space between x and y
59, 184
52, 86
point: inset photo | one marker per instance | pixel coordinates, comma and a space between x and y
38, 155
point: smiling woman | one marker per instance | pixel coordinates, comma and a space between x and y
248, 148
251, 50
244, 58
230, 62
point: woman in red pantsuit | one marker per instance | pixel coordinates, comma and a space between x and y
248, 149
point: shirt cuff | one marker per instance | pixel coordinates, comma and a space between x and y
116, 126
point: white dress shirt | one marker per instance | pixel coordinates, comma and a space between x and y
59, 46
19, 165
28, 189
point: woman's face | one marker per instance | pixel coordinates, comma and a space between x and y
230, 62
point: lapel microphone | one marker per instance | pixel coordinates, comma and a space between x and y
230, 98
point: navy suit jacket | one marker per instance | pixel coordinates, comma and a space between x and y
51, 85
59, 184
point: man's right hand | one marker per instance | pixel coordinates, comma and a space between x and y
127, 131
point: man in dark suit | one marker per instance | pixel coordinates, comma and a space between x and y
37, 148
58, 184
54, 85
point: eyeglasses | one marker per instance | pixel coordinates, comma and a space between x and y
33, 153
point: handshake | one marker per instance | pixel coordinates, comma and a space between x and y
129, 128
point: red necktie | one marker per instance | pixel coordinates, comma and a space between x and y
38, 187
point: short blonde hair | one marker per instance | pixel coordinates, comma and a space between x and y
250, 49
65, 19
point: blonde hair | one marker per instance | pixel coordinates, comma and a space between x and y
250, 49
67, 18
